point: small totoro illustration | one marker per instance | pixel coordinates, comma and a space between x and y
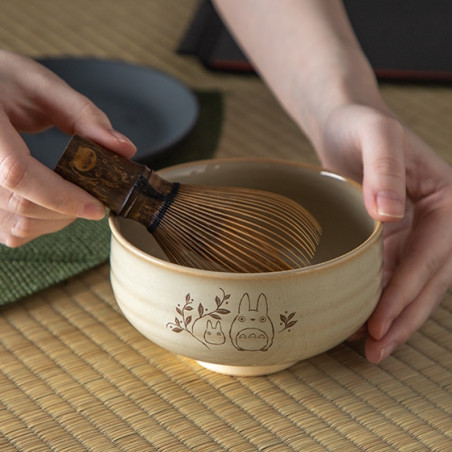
214, 334
252, 329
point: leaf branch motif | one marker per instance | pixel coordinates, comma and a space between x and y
219, 311
184, 318
184, 321
287, 321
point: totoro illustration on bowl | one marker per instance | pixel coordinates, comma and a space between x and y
252, 329
245, 325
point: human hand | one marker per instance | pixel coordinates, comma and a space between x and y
409, 187
34, 200
309, 56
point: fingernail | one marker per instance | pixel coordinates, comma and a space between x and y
120, 137
390, 205
93, 211
386, 351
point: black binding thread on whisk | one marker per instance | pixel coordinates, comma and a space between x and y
146, 188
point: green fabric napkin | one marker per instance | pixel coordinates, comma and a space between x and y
52, 258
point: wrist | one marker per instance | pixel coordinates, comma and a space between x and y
346, 79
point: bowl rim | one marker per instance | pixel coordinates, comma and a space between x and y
352, 254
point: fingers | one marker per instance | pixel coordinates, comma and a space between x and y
411, 318
34, 98
13, 203
34, 200
72, 112
15, 230
418, 241
427, 251
86, 119
384, 181
417, 284
25, 177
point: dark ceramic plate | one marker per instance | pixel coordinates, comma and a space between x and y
153, 109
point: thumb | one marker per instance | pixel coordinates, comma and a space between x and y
384, 181
71, 112
89, 121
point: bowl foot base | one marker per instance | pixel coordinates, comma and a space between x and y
245, 371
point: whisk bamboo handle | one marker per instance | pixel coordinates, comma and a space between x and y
128, 189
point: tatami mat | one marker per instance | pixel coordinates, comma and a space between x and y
75, 375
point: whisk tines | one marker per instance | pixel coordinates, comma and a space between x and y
237, 230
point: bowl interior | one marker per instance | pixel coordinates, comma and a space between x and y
335, 202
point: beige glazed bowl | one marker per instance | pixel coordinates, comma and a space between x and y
255, 324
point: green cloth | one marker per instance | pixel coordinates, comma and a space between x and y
53, 258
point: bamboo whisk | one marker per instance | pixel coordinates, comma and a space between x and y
209, 227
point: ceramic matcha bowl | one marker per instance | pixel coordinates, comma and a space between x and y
255, 324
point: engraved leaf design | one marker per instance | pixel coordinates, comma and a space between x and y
288, 321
